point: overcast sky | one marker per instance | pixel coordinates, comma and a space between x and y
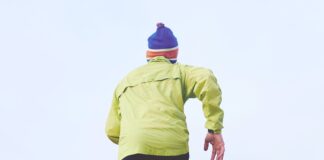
60, 61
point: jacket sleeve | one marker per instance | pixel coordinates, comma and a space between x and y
202, 84
112, 128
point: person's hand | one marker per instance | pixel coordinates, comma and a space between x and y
217, 142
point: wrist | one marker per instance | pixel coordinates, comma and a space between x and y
211, 131
218, 131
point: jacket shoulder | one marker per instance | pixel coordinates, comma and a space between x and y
190, 69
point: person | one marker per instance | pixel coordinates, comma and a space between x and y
147, 119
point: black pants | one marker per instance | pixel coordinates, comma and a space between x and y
151, 157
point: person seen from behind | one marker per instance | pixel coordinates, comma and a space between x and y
146, 118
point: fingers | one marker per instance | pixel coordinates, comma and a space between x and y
220, 152
220, 157
213, 154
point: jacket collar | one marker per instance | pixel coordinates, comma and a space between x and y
159, 59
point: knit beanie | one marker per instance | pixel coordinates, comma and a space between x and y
162, 43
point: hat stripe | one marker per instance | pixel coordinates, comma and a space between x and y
162, 50
171, 59
167, 54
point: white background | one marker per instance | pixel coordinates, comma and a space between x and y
60, 61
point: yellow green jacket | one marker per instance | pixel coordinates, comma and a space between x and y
147, 111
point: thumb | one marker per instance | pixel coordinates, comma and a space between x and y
206, 145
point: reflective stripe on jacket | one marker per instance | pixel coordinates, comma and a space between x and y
147, 114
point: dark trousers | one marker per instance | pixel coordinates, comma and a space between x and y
151, 157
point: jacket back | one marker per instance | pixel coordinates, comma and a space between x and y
147, 114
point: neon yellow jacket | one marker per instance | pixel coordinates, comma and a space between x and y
147, 115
